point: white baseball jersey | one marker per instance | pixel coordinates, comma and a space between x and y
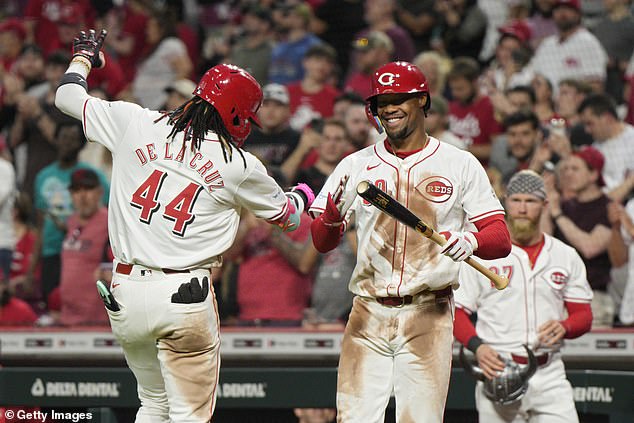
443, 185
511, 317
169, 206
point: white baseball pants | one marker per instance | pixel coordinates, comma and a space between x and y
172, 349
406, 350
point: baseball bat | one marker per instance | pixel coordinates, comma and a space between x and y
388, 205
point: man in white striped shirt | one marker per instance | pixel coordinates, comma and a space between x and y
615, 139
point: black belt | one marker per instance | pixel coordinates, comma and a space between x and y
407, 299
126, 269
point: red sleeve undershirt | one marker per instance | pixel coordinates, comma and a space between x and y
579, 319
463, 329
325, 237
493, 238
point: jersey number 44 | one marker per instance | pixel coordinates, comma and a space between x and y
179, 210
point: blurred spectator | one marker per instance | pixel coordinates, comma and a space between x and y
497, 13
360, 131
541, 22
419, 18
12, 35
54, 205
573, 52
615, 31
462, 28
126, 34
626, 224
516, 150
437, 123
84, 249
582, 222
511, 100
571, 94
614, 139
288, 55
333, 146
178, 92
165, 60
313, 96
14, 311
331, 300
344, 101
544, 101
270, 260
373, 51
23, 254
30, 67
508, 68
618, 253
315, 415
42, 19
36, 122
275, 140
253, 48
7, 193
337, 22
435, 68
380, 15
471, 114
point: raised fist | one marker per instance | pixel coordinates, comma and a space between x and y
89, 45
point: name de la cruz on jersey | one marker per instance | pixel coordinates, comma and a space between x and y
212, 179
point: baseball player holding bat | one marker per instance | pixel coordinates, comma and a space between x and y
547, 300
399, 335
179, 182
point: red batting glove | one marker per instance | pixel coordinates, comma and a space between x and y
331, 215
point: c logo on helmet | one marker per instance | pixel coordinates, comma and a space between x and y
386, 78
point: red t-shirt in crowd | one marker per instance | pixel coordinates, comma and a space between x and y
83, 250
17, 313
48, 14
359, 83
269, 288
305, 107
475, 123
22, 254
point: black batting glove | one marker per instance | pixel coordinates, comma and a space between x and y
191, 292
89, 45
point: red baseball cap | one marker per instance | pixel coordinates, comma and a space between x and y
574, 4
14, 25
594, 159
517, 29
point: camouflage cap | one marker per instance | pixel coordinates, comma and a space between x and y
526, 182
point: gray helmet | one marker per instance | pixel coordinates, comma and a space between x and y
510, 385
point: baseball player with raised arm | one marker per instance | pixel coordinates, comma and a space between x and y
179, 183
547, 279
399, 335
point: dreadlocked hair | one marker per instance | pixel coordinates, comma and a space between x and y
194, 118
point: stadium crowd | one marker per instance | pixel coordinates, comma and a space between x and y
543, 85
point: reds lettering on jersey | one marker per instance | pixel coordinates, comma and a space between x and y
444, 186
165, 194
532, 297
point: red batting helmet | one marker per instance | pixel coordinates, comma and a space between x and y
396, 78
235, 94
